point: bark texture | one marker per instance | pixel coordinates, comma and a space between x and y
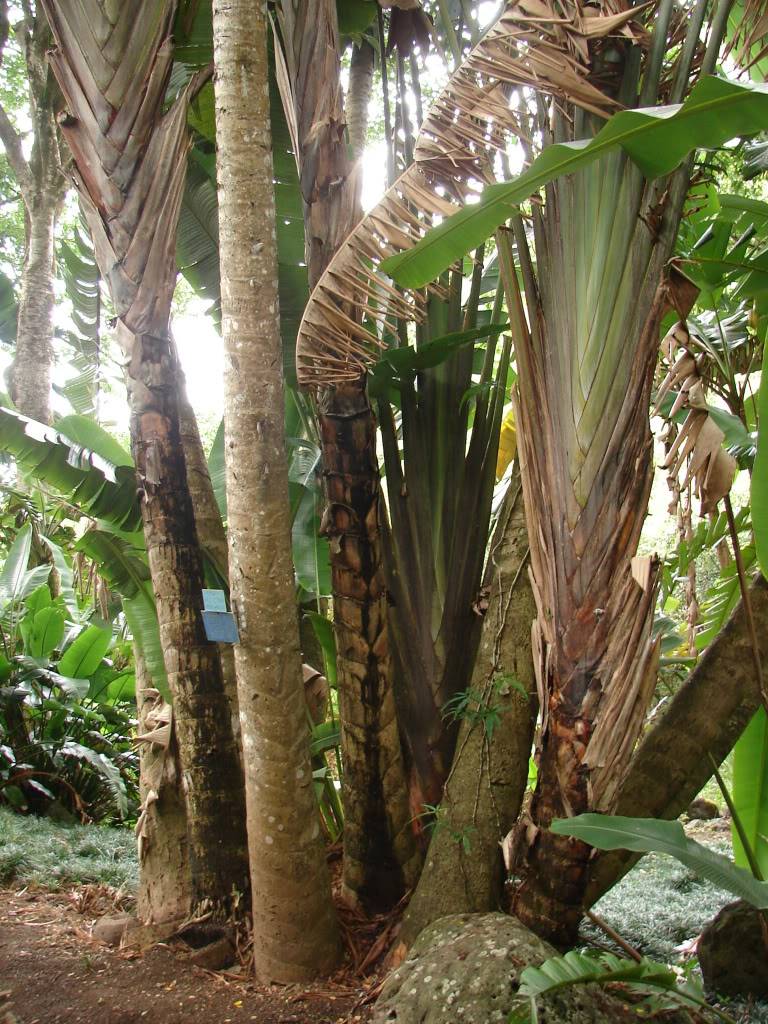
294, 926
464, 870
131, 165
380, 858
210, 532
704, 719
42, 185
380, 855
165, 890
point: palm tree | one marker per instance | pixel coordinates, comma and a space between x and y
585, 310
113, 65
294, 925
380, 858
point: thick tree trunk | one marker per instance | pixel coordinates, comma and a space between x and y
210, 532
703, 721
30, 372
380, 859
295, 931
380, 855
164, 880
209, 755
464, 870
114, 97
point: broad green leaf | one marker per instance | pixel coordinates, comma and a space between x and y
87, 479
217, 471
759, 482
311, 556
89, 435
38, 599
324, 632
650, 835
141, 616
750, 791
66, 578
656, 139
15, 567
123, 687
85, 653
45, 633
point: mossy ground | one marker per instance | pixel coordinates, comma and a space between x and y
41, 852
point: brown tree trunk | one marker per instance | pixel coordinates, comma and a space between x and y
295, 931
164, 880
379, 854
114, 97
464, 870
359, 94
210, 531
703, 721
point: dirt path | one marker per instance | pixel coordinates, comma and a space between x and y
53, 972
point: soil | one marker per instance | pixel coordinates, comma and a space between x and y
52, 971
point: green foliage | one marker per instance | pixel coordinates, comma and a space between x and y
65, 730
750, 792
587, 968
656, 139
475, 707
759, 485
651, 835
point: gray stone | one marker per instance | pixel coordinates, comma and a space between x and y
112, 930
703, 810
465, 969
733, 954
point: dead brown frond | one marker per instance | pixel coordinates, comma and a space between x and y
542, 44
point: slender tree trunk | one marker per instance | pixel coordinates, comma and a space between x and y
42, 186
30, 372
294, 926
464, 871
359, 94
380, 858
132, 204
702, 723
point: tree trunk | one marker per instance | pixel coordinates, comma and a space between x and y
380, 858
359, 94
702, 723
30, 372
164, 880
42, 186
464, 871
210, 532
114, 97
295, 931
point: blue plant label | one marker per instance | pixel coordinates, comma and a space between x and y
220, 627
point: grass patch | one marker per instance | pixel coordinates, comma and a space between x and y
41, 852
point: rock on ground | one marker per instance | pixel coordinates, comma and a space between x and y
465, 969
733, 955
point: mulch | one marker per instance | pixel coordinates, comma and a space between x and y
52, 971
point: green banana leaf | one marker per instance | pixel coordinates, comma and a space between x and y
750, 792
656, 139
651, 835
90, 470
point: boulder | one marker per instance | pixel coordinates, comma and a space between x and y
112, 930
465, 969
733, 954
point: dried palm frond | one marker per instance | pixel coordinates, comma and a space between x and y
699, 442
537, 43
